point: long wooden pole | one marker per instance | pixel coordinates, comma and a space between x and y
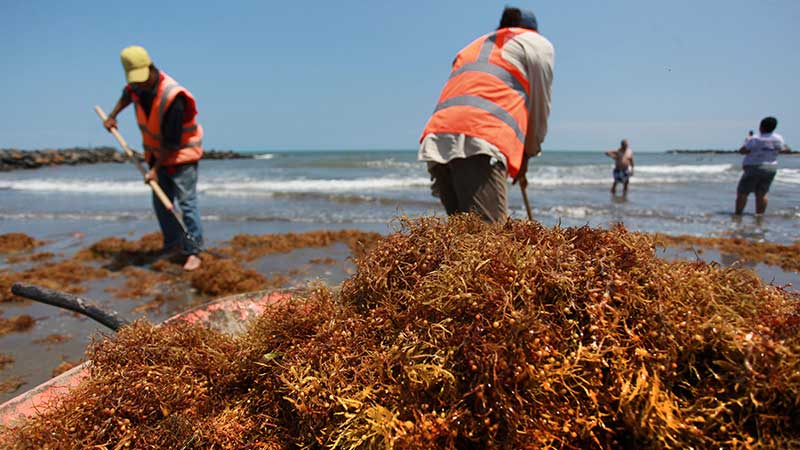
132, 156
154, 185
527, 204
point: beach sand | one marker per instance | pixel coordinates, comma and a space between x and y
129, 276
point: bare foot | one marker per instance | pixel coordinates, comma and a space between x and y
192, 263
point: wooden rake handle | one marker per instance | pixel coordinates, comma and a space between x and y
525, 200
132, 156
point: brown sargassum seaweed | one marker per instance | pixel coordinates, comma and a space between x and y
787, 257
463, 335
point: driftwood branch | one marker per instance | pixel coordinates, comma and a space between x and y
71, 302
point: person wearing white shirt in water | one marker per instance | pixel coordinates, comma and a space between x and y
759, 165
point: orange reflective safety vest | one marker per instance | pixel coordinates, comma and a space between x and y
191, 148
486, 97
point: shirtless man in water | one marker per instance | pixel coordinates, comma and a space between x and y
623, 166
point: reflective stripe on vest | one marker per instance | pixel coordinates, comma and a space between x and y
486, 105
486, 97
499, 72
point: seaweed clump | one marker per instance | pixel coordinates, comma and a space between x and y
250, 247
19, 323
5, 360
464, 335
787, 257
66, 275
17, 242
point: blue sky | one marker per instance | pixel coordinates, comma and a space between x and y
365, 75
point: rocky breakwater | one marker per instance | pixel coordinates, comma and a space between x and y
786, 151
225, 154
13, 159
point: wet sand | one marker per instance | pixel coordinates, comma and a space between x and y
787, 257
132, 277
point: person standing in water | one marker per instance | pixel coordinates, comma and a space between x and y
759, 165
623, 166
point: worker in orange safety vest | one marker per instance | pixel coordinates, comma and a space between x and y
172, 140
491, 117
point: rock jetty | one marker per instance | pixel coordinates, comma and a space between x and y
13, 159
785, 151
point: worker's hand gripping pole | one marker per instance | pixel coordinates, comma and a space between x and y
132, 156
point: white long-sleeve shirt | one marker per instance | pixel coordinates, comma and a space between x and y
534, 56
763, 149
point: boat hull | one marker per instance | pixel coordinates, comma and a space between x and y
227, 314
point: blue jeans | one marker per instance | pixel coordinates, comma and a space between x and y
181, 188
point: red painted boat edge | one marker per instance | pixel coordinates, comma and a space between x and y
228, 314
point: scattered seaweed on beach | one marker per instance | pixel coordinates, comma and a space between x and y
120, 253
16, 324
52, 339
458, 335
114, 246
67, 275
36, 257
150, 273
10, 384
17, 242
63, 367
327, 261
5, 360
140, 283
787, 257
251, 247
156, 302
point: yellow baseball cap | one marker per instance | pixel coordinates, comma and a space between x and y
136, 63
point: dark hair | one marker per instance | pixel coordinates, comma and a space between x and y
512, 17
768, 124
515, 17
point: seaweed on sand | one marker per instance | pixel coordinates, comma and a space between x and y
17, 242
786, 257
67, 275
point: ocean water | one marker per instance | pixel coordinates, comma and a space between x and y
302, 190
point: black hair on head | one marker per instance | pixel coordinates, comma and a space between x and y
768, 124
512, 17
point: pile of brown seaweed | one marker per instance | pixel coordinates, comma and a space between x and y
464, 335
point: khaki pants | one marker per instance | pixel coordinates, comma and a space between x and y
472, 185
